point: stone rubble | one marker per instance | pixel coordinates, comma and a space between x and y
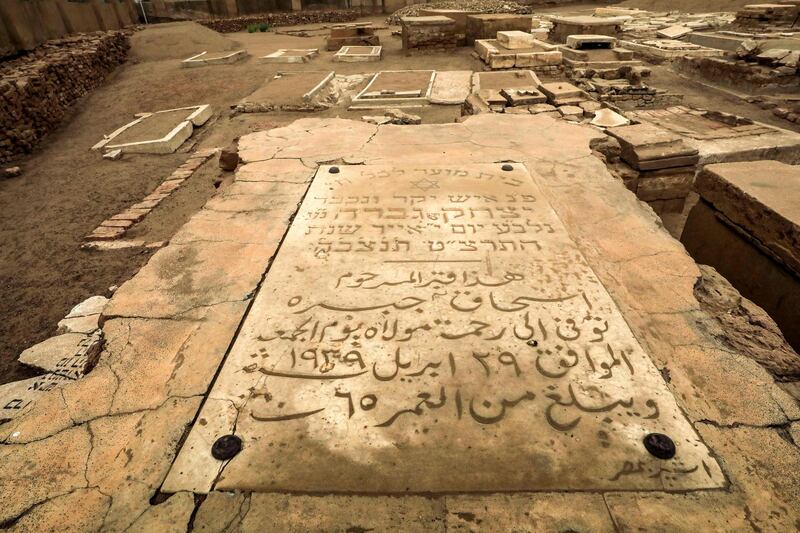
293, 18
478, 6
37, 89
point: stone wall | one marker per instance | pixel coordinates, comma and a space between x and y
654, 99
37, 89
428, 33
230, 25
737, 74
26, 24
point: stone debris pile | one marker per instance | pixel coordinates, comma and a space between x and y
479, 6
64, 358
770, 54
292, 18
782, 106
393, 116
673, 25
36, 90
767, 14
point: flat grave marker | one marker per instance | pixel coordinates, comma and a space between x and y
435, 329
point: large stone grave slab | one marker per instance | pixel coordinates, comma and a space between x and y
435, 329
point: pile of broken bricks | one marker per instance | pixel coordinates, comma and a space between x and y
65, 357
558, 99
116, 226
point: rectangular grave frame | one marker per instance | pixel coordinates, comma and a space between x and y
198, 116
367, 100
692, 50
346, 55
313, 468
203, 59
307, 98
279, 56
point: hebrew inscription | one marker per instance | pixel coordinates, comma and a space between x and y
431, 330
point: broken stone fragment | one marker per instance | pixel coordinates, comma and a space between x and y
229, 158
12, 172
401, 117
772, 56
84, 317
376, 119
79, 324
606, 118
90, 306
570, 111
541, 108
747, 48
70, 354
113, 155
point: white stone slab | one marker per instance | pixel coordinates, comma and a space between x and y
577, 42
90, 306
674, 32
606, 118
290, 55
196, 116
68, 354
451, 86
515, 39
435, 329
216, 58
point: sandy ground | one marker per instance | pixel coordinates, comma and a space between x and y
67, 190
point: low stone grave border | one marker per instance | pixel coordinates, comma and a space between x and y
165, 145
279, 56
345, 56
367, 100
202, 59
117, 226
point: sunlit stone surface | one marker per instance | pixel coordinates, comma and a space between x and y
432, 329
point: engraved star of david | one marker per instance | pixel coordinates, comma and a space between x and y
425, 184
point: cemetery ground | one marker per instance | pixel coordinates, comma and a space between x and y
67, 191
230, 258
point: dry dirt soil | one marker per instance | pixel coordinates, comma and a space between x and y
67, 190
